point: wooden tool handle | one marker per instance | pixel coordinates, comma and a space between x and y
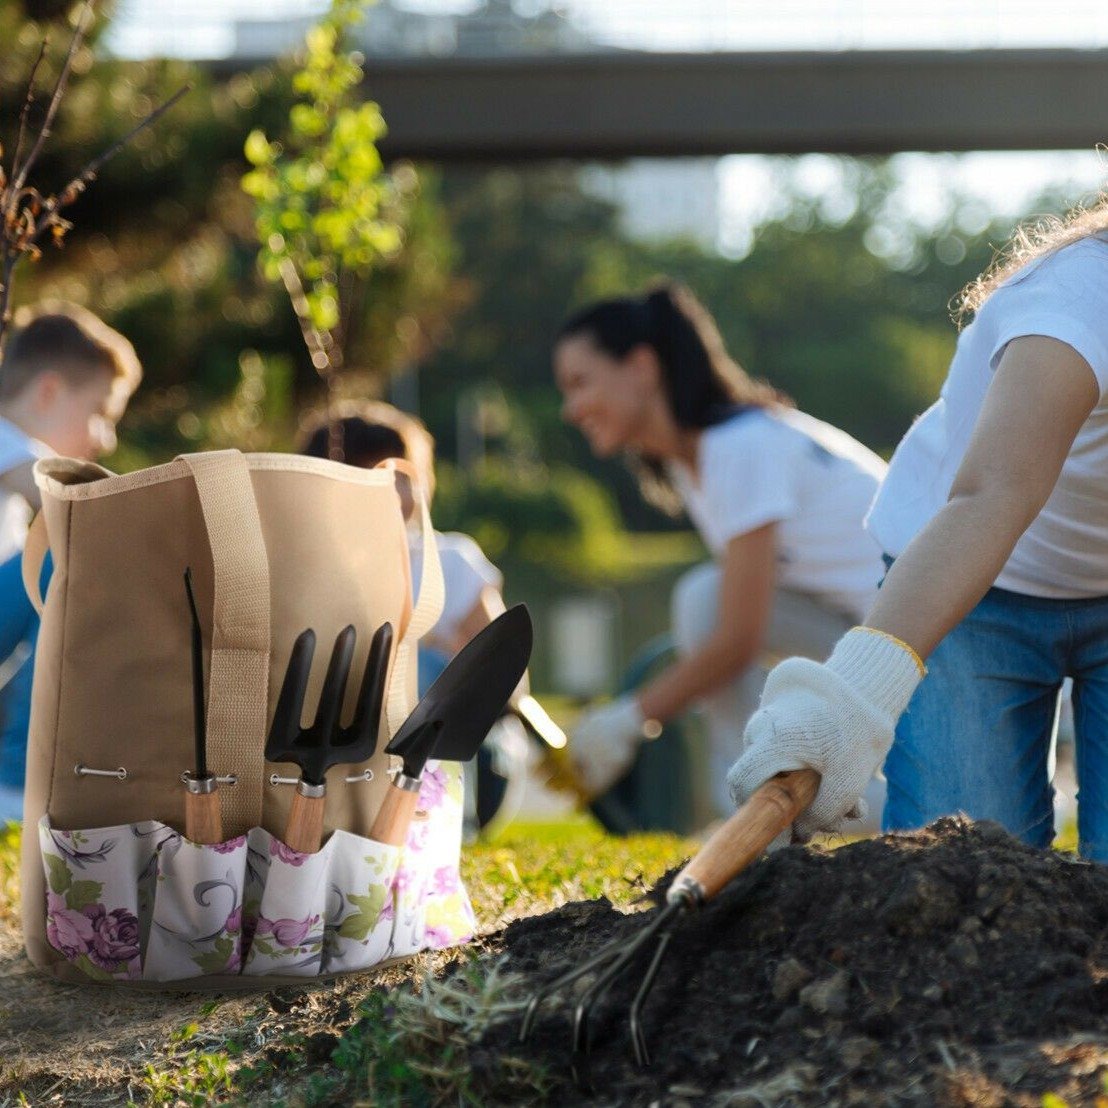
203, 818
741, 840
304, 830
395, 817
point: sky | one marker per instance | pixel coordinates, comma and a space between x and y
1005, 182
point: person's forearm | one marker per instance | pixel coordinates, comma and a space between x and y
699, 674
949, 566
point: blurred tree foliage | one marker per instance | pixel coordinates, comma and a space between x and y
164, 248
845, 305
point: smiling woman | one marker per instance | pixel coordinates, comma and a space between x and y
777, 496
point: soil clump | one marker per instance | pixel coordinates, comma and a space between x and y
950, 966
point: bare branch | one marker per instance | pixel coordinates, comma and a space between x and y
325, 354
87, 175
59, 92
94, 167
28, 101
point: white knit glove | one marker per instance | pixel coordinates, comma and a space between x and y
605, 742
838, 718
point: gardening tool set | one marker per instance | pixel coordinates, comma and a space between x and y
448, 724
771, 810
164, 844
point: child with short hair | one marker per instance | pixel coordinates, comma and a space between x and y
65, 380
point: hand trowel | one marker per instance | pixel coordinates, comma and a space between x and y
455, 714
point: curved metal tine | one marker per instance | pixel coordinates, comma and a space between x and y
371, 696
285, 728
334, 687
595, 991
609, 950
638, 1036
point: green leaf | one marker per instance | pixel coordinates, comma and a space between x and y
358, 924
258, 149
80, 894
90, 969
59, 876
216, 959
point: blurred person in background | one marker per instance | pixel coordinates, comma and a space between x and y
778, 497
65, 380
370, 433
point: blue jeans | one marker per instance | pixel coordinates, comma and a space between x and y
976, 735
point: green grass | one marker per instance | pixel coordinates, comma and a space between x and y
354, 1042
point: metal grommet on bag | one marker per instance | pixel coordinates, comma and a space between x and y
228, 779
351, 779
81, 770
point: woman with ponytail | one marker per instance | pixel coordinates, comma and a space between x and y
778, 497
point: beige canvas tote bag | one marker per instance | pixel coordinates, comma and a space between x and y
275, 544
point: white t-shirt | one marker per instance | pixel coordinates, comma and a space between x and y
465, 572
16, 449
811, 479
1064, 553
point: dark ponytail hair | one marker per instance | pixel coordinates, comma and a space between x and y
704, 385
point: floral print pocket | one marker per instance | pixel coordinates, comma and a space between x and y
316, 913
98, 892
141, 902
196, 920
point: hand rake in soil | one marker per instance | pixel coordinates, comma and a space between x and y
768, 812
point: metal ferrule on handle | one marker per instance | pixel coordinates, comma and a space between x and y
770, 810
201, 786
309, 791
407, 784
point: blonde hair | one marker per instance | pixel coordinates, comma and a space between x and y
71, 341
370, 431
1031, 241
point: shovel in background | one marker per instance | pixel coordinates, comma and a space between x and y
455, 714
317, 748
203, 818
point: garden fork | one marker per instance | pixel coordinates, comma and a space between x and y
768, 812
324, 744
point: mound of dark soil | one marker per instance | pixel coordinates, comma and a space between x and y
950, 966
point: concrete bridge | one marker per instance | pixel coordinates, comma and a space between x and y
623, 104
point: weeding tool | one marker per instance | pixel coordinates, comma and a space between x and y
769, 811
324, 744
455, 714
203, 819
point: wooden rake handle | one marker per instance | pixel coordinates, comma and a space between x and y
304, 830
769, 811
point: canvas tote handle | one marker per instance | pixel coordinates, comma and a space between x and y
34, 555
428, 605
238, 682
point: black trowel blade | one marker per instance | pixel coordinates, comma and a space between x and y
455, 714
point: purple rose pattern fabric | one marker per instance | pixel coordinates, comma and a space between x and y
141, 901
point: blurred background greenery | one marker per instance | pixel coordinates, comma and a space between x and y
457, 322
